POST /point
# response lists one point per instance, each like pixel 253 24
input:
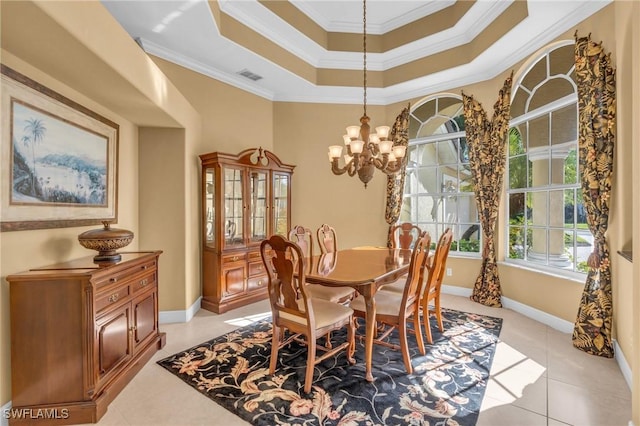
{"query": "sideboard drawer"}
pixel 112 297
pixel 144 282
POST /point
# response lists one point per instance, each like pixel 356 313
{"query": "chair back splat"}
pixel 327 239
pixel 433 284
pixel 303 238
pixel 403 235
pixel 295 313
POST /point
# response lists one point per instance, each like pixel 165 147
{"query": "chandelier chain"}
pixel 364 52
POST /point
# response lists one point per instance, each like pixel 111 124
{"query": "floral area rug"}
pixel 446 387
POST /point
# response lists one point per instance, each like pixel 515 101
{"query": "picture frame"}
pixel 59 159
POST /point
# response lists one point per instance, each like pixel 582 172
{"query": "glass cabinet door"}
pixel 258 187
pixel 280 203
pixel 209 201
pixel 233 217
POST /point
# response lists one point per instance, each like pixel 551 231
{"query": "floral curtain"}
pixel 596 83
pixel 487 157
pixel 395 183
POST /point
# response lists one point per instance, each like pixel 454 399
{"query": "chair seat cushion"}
pixel 326 313
pixel 332 294
pixel 387 303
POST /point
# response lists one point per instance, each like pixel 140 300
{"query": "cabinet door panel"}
pixel 233 280
pixel 280 207
pixel 234 207
pixel 144 318
pixel 114 345
pixel 258 212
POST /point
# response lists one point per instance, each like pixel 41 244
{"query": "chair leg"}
pixel 351 338
pixel 404 347
pixel 418 329
pixel 439 314
pixel 275 345
pixel 427 327
pixel 327 344
pixel 311 357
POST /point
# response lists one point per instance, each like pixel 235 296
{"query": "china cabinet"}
pixel 245 198
pixel 80 331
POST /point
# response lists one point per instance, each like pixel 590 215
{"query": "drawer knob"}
pixel 145 266
pixel 260 282
pixel 113 280
pixel 144 282
pixel 234 258
pixel 114 297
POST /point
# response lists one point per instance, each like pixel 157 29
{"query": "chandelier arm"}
pixel 392 170
pixel 381 164
pixel 337 170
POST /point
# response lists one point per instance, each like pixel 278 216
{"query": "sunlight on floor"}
pixel 242 321
pixel 512 374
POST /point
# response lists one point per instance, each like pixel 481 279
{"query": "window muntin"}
pixel 438 192
pixel 546 224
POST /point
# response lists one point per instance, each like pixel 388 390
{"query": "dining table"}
pixel 364 269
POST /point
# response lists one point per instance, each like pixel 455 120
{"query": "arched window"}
pixel 438 191
pixel 546 224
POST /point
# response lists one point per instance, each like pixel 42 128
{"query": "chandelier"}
pixel 366 151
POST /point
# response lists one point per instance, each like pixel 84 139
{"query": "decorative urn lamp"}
pixel 106 241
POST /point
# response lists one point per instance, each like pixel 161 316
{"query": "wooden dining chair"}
pixel 403 235
pixel 304 238
pixel 393 310
pixel 327 239
pixel 296 313
pixel 435 273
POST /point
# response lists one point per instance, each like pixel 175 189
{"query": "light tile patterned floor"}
pixel 537 377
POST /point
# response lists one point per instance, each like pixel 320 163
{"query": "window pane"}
pixel 447 152
pixel 465 178
pixel 571 167
pixel 537 250
pixel 467 211
pixel 539 132
pixel 516 208
pixel 515 142
pixel 564 125
pixel 516 242
pixel 561 60
pixel 539 209
pixel 464 150
pixel 518 172
pixel 535 75
pixel 569 208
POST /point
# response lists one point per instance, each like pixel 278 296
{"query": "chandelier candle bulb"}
pixel 385 147
pixel 353 132
pixel 335 151
pixel 383 131
pixel 357 146
pixel 347 139
pixel 399 151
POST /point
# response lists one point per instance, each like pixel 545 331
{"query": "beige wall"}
pixel 183 114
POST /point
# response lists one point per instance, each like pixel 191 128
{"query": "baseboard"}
pixel 4 418
pixel 547 319
pixel 167 317
pixel 625 368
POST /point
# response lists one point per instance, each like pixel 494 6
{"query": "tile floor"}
pixel 537 377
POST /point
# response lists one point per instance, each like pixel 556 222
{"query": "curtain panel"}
pixel 395 183
pixel 596 84
pixel 487 158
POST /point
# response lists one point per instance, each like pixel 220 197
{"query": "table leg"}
pixel 370 329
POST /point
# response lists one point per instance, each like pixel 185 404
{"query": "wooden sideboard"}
pixel 79 333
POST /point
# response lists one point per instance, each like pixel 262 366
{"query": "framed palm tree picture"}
pixel 59 159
